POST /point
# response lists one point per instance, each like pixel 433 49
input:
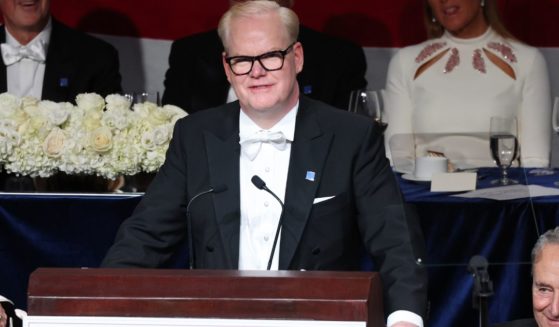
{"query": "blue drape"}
pixel 76 231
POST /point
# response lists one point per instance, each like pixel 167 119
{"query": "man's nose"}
pixel 257 69
pixel 554 305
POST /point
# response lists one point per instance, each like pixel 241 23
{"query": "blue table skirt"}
pixel 76 231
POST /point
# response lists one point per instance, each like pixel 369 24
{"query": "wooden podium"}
pixel 164 297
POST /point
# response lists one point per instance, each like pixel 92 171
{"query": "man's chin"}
pixel 262 105
pixel 545 322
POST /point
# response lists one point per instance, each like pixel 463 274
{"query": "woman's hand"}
pixel 3 317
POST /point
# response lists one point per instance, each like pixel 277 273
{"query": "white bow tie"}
pixel 12 54
pixel 251 144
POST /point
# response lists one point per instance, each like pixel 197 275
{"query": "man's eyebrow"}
pixel 540 284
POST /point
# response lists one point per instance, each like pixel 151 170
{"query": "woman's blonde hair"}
pixel 490 12
pixel 254 8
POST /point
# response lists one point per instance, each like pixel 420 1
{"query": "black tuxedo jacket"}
pixel 347 156
pixel 76 63
pixel 519 323
pixel 196 80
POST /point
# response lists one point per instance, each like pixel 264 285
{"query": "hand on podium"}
pixel 3 317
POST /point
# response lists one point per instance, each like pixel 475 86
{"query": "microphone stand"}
pixel 278 229
pixel 217 189
pixel 261 185
pixel 483 288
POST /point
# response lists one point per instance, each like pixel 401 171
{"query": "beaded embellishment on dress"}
pixel 504 50
pixel 478 62
pixel 453 61
pixel 429 50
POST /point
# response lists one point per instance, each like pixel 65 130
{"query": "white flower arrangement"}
pixel 102 137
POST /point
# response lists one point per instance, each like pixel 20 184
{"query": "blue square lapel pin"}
pixel 63 82
pixel 310 175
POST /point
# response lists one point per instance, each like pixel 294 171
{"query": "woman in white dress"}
pixel 440 94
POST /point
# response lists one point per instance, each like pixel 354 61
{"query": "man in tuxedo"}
pixel 196 80
pixel 545 283
pixel 326 165
pixel 47 60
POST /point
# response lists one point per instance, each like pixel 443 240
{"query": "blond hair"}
pixel 490 12
pixel 256 8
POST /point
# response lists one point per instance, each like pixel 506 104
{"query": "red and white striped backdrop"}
pixel 143 29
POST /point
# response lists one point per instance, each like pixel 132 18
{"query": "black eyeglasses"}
pixel 270 61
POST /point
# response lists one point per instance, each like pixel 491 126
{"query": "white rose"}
pixel 116 118
pixel 117 102
pixel 19 117
pixel 8 139
pixel 158 116
pixel 54 143
pixel 8 104
pixel 37 123
pixel 147 141
pixel 175 111
pixel 92 120
pixel 90 102
pixel 101 139
pixel 56 113
pixel 29 101
pixel 160 135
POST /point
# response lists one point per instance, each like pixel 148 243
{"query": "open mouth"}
pixel 451 10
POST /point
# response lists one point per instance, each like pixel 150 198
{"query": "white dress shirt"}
pixel 25 77
pixel 260 211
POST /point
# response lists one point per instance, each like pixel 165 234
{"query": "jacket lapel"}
pixel 223 151
pixel 58 77
pixel 308 153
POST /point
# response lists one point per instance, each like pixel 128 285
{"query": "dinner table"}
pixel 77 229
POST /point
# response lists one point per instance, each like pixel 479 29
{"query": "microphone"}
pixel 478 267
pixel 483 287
pixel 261 185
pixel 218 189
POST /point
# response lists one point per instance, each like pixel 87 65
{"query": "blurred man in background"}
pixel 196 80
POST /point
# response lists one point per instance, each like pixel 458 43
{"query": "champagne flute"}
pixel 504 146
pixel 368 103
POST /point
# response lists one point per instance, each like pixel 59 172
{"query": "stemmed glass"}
pixel 368 103
pixel 143 96
pixel 555 121
pixel 504 146
pixel 137 97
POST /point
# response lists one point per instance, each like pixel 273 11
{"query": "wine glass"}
pixel 143 96
pixel 368 103
pixel 555 121
pixel 555 115
pixel 504 146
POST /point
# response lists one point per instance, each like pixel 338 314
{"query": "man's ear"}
pixel 226 67
pixel 299 56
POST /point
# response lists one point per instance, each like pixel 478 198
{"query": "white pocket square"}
pixel 318 200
